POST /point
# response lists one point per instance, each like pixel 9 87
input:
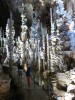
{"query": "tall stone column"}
pixel 10 45
pixel 73 2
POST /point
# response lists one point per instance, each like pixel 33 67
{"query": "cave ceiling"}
pixel 30 7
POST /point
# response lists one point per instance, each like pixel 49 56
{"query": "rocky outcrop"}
pixel 63 80
pixel 70 94
pixel 4 84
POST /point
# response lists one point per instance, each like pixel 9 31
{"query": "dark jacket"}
pixel 19 65
pixel 28 71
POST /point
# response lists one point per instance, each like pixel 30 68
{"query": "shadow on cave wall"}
pixel 5 14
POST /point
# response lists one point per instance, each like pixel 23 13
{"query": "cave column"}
pixel 52 31
pixel 43 31
pixel 72 2
pixel 10 45
pixel 23 33
pixel 39 61
pixel 47 38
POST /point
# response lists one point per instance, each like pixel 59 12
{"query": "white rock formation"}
pixel 69 96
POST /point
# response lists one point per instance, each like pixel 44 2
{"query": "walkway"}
pixel 35 93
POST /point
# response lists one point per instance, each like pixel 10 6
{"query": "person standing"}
pixel 28 73
pixel 20 68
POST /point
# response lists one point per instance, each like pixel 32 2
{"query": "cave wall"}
pixel 5 7
pixel 12 5
pixel 4 14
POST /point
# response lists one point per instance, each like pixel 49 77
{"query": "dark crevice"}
pixel 4 14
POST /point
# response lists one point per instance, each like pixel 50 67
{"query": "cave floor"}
pixel 19 90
